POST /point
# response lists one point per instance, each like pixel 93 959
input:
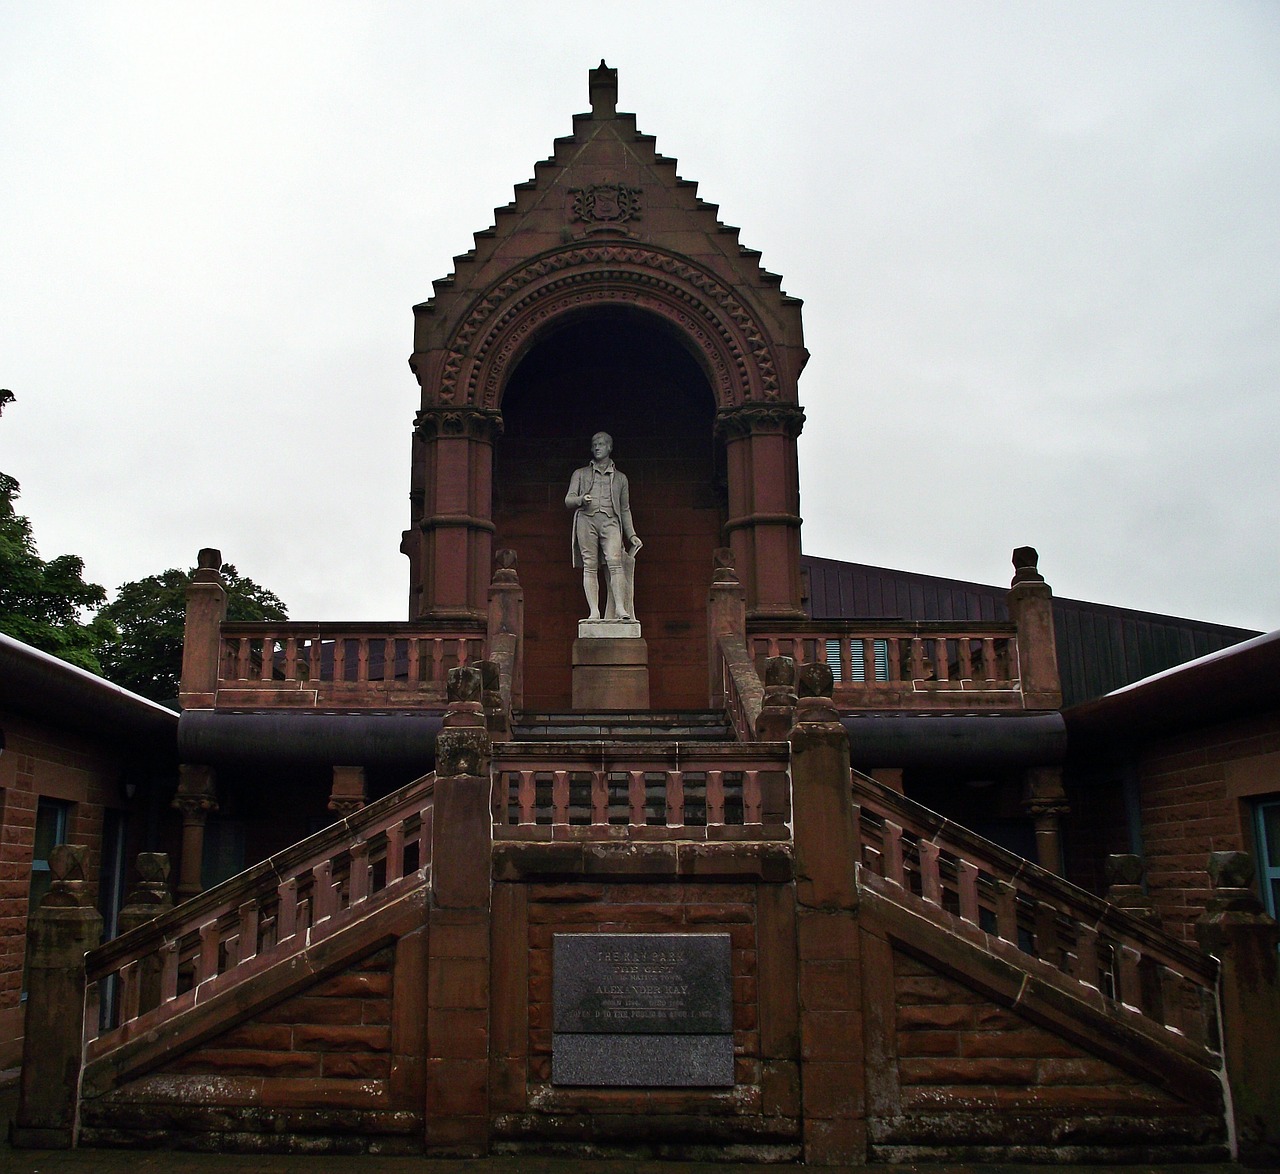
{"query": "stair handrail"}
pixel 949 867
pixel 742 688
pixel 279 903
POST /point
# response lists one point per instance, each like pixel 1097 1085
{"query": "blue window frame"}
pixel 1267 829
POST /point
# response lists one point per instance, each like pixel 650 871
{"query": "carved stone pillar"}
pixel 777 714
pixel 726 618
pixel 764 503
pixel 348 794
pixel 454 540
pixel 506 627
pixel 201 642
pixel 147 900
pixel 1031 609
pixel 196 798
pixel 1045 802
pixel 59 933
pixel 1235 930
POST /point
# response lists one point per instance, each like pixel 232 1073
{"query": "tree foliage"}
pixel 42 603
pixel 149 615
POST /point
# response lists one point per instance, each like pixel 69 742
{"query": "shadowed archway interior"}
pixel 628 374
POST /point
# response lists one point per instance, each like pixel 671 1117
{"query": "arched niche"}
pixel 628 372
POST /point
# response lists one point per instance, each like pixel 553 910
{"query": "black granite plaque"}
pixel 642 1009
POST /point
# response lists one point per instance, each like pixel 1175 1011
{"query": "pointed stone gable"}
pixel 609 218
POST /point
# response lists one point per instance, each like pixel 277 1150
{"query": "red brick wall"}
pixel 42 762
pixel 1196 796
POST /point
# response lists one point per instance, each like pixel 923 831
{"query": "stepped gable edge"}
pixel 606 219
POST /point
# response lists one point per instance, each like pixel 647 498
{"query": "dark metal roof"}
pixel 1100 647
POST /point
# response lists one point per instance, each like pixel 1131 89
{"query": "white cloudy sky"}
pixel 1038 244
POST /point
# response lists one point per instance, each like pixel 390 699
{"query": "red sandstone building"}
pixel 854 803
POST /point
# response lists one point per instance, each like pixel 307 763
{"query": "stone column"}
pixel 201 641
pixel 506 627
pixel 456 524
pixel 457 1110
pixel 1045 801
pixel 1235 930
pixel 147 900
pixel 197 798
pixel 832 1072
pixel 59 933
pixel 348 793
pixel 1031 609
pixel 764 503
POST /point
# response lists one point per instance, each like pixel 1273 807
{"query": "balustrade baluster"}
pixel 894 867
pixel 560 798
pixel 248 947
pixel 893 651
pixel 989 670
pixel 1084 966
pixel 930 875
pixel 242 659
pixel 267 670
pixel 339 659
pixel 917 658
pixel 359 884
pixel 168 972
pixel 315 659
pixel 1006 911
pixel 967 884
pixel 752 798
pixel 207 959
pixel 437 661
pixel 773 646
pixel 395 852
pixel 715 798
pixel 528 798
pixel 130 991
pixel 414 667
pixel 941 668
pixel 599 798
pixel 844 649
pixel 426 821
pixel 291 658
pixel 966 658
pixel 389 659
pixel 635 797
pixel 1046 933
pixel 675 798
pixel 362 659
pixel 287 909
pixel 323 895
pixel 1128 977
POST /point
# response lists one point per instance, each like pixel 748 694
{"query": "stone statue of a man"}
pixel 599 497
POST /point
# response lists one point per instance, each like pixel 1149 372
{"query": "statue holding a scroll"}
pixel 598 495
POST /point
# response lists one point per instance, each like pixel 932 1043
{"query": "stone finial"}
pixel 1231 870
pixel 603 89
pixel 67 862
pixel 1124 869
pixel 1124 872
pixel 780 671
pixel 1026 561
pixel 723 566
pixel 150 895
pixel 208 566
pixel 778 710
pixel 153 867
pixel 504 566
pixel 816 680
pixel 465 683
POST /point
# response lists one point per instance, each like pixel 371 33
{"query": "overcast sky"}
pixel 1038 246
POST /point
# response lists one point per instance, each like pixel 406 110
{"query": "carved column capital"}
pixel 755 419
pixel 460 421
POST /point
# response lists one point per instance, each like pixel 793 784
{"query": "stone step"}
pixel 647 726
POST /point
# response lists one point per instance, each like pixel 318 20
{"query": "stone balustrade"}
pixel 957 878
pixel 348 665
pixel 882 663
pixel 253 921
pixel 669 791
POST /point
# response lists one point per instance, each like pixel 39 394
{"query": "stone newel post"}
pixel 1235 930
pixel 458 941
pixel 506 627
pixel 1031 609
pixel 148 899
pixel 832 1072
pixel 206 609
pixel 59 934
pixel 726 618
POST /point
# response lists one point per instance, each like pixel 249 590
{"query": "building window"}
pixel 857 660
pixel 52 818
pixel 1267 828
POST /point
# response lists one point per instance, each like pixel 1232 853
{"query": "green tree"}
pixel 149 615
pixel 42 603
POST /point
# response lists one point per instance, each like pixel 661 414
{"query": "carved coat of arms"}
pixel 606 203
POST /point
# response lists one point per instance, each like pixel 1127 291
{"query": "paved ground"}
pixel 169 1162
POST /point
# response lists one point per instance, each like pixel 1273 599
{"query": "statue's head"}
pixel 601 445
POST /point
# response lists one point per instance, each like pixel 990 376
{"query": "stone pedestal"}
pixel 610 666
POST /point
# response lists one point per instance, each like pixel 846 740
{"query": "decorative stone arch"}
pixel 505 320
